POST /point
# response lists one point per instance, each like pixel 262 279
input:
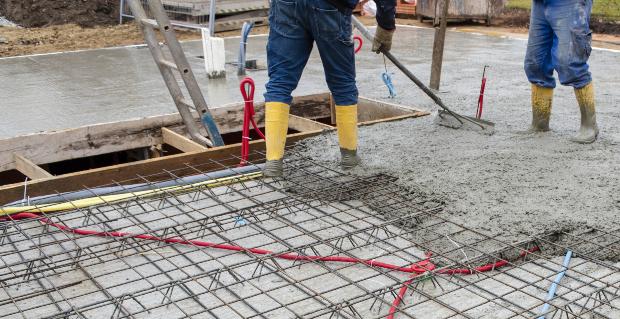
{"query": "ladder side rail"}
pixel 171 82
pixel 185 70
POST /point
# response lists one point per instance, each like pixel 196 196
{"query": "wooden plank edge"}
pixel 106 175
pixel 128 171
pixel 396 118
pixel 398 106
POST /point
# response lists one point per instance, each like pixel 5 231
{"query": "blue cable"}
pixel 111 190
pixel 554 285
pixel 245 33
pixel 387 79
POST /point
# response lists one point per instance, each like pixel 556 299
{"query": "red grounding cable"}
pixel 416 269
pixel 360 43
pixel 462 271
pixel 247 87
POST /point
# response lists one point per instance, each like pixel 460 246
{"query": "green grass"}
pixel 519 4
pixel 607 9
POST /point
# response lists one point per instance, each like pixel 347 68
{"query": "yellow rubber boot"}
pixel 542 98
pixel 346 121
pixel 276 127
pixel 589 129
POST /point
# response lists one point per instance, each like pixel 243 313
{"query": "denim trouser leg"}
pixel 295 26
pixel 538 63
pixel 288 48
pixel 559 39
pixel 333 39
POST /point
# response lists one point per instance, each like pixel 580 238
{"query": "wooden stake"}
pixel 440 37
pixel 332 109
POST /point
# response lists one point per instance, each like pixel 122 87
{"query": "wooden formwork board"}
pixel 37 149
pixel 92 140
pixel 126 173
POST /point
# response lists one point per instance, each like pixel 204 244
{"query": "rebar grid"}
pixel 48 272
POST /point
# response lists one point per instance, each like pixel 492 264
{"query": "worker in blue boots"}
pixel 295 26
pixel 560 39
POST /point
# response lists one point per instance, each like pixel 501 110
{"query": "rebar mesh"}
pixel 52 272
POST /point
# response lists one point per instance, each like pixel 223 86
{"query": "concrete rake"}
pixel 445 117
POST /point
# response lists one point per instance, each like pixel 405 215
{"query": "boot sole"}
pixel 590 141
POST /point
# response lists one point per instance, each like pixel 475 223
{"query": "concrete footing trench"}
pixel 435 223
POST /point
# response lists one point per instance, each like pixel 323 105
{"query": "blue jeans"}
pixel 560 39
pixel 294 27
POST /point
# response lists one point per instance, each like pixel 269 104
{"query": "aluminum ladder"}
pixel 162 23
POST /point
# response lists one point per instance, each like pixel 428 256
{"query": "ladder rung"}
pixel 187 103
pixel 168 64
pixel 150 22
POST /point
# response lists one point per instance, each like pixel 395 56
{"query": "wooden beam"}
pixel 180 142
pixel 152 170
pixel 92 140
pixel 315 106
pixel 380 111
pixel 301 124
pixel 30 169
pixel 395 118
pixel 86 141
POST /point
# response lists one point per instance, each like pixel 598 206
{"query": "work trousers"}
pixel 295 25
pixel 559 39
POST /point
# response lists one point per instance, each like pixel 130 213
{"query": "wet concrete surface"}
pixel 511 185
pixel 59 91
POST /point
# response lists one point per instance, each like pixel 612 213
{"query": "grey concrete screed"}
pixel 511 184
pixel 324 212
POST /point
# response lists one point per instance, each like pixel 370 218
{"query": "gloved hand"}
pixel 383 40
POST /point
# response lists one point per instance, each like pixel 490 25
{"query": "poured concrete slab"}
pixel 66 90
pixel 512 184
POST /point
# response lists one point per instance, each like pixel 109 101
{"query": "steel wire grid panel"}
pixel 48 272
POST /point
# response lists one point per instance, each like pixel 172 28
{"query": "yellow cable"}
pixel 106 199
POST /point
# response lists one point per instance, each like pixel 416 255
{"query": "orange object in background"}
pixel 406 7
pixel 402 7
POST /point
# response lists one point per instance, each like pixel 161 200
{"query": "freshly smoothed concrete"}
pixel 66 90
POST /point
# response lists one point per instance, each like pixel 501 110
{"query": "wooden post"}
pixel 211 19
pixel 332 109
pixel 440 37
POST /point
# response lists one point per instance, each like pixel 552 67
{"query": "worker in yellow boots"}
pixel 560 39
pixel 295 26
